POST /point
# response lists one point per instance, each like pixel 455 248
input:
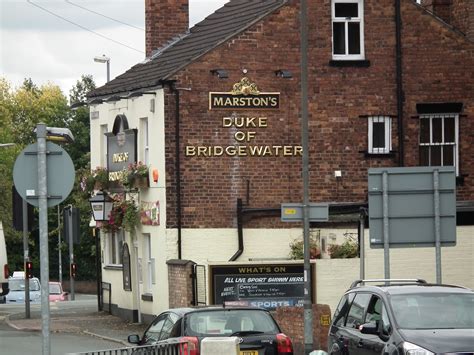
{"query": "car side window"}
pixel 168 326
pixel 342 309
pixel 357 311
pixel 153 332
pixel 374 312
pixel 386 326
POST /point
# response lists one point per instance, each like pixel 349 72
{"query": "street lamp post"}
pixel 101 205
pixel 104 59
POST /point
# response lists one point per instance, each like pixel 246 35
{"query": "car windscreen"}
pixel 54 289
pixel 19 285
pixel 434 310
pixel 227 322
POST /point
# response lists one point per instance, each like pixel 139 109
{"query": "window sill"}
pixel 378 155
pixel 113 267
pixel 362 63
pixel 147 297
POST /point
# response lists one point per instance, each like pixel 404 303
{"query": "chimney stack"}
pixel 164 20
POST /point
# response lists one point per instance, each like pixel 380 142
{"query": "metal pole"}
pixel 386 237
pixel 26 258
pixel 43 234
pixel 437 225
pixel 71 252
pixel 362 243
pixel 60 263
pixel 96 234
pixel 108 70
pixel 308 309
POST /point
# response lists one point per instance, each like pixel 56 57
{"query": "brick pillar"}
pixel 180 283
pixel 164 20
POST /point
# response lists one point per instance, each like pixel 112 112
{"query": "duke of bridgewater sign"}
pixel 244 96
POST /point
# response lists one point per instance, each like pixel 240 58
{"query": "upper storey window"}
pixel 347 29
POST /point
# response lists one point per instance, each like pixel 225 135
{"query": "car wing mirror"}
pixel 134 339
pixel 369 328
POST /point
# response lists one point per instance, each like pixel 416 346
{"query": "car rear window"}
pixel 19 285
pixel 54 289
pixel 434 310
pixel 227 322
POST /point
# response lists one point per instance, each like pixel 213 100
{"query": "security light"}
pixel 220 73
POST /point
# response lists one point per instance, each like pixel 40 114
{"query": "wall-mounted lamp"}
pixel 283 73
pixel 220 73
pixel 101 205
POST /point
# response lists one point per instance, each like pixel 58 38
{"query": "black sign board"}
pixel 261 285
pixel 126 269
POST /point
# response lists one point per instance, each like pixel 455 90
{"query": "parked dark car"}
pixel 258 331
pixel 409 317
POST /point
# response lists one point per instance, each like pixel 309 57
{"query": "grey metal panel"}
pixel 411 206
pixel 293 212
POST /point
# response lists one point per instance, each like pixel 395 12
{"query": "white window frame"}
pixel 387 120
pixel 150 263
pixel 113 244
pixel 346 21
pixel 103 145
pixel 145 140
pixel 443 143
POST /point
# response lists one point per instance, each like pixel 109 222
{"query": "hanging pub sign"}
pixel 244 95
pixel 121 148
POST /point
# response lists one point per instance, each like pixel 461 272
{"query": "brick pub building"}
pixel 390 84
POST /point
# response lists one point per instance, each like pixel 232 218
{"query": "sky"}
pixel 56 40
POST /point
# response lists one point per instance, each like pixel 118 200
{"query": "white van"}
pixel 3 265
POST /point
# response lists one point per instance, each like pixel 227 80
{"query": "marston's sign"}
pixel 244 95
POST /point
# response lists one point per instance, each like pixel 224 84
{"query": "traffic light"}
pixel 29 269
pixel 73 270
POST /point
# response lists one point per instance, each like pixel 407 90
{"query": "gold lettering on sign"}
pixel 120 157
pixel 244 150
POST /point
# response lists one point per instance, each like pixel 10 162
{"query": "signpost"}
pixel 412 207
pixel 44 175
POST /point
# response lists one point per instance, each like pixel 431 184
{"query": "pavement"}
pixel 98 324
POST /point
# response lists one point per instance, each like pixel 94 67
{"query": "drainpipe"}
pixel 174 90
pixel 400 95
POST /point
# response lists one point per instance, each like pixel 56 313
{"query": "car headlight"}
pixel 412 349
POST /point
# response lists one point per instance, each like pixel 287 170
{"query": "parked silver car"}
pixel 17 290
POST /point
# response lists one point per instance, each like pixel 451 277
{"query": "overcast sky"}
pixel 59 42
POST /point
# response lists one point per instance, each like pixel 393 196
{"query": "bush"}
pixel 346 250
pixel 297 249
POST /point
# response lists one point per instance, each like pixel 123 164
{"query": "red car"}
pixel 56 292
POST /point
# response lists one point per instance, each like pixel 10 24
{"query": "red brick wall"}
pixel 438 66
pixel 463 17
pixel 180 284
pixel 164 20
pixel 291 321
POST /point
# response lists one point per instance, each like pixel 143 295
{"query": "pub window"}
pixel 439 137
pixel 380 134
pixel 348 29
pixel 150 263
pixel 145 141
pixel 114 244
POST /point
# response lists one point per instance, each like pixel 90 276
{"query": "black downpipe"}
pixel 177 166
pixel 400 95
pixel 240 231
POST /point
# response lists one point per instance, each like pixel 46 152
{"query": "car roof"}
pixel 400 289
pixel 184 311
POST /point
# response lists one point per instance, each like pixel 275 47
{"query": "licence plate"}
pixel 248 352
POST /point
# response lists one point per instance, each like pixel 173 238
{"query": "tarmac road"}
pixel 75 326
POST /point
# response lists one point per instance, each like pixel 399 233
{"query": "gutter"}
pixel 400 94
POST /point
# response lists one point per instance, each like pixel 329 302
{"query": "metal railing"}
pixel 388 281
pixel 171 348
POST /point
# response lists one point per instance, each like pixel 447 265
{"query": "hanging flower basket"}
pixel 136 176
pixel 124 214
